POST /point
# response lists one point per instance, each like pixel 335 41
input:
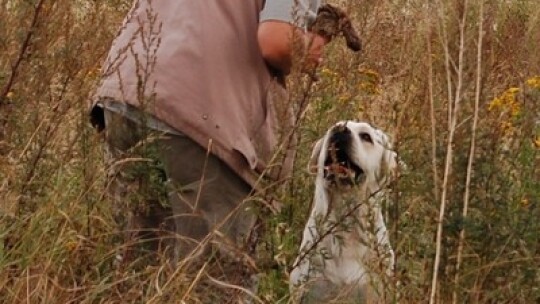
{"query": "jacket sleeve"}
pixel 298 12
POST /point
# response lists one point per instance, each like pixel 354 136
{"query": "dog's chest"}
pixel 350 244
pixel 349 255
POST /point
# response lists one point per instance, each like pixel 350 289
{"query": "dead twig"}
pixel 22 53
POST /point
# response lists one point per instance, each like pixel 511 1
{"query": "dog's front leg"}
pixel 307 262
pixel 383 243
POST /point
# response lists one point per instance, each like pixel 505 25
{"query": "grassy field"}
pixel 456 84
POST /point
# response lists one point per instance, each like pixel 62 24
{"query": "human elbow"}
pixel 275 44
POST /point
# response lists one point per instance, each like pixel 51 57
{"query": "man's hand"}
pixel 277 43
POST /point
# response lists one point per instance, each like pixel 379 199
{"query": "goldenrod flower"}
pixel 72 245
pixel 326 71
pixel 512 90
pixel 534 82
pixel 495 103
pixel 507 102
pixel 369 72
pixel 507 126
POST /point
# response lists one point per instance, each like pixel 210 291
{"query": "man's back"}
pixel 196 66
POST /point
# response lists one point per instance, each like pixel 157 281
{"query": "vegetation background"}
pixel 455 82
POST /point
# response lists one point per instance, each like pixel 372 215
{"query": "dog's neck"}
pixel 349 200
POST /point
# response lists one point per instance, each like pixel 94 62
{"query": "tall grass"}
pixel 456 84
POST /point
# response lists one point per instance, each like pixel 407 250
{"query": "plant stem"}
pixel 466 196
pixel 449 150
pixel 22 53
pixel 433 120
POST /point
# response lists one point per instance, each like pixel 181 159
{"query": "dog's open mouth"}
pixel 344 173
pixel 338 167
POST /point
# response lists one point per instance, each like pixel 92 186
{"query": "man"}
pixel 187 98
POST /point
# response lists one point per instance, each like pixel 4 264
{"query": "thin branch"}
pixel 449 153
pixel 433 122
pixel 203 178
pixel 443 34
pixel 22 53
pixel 466 196
pixel 236 287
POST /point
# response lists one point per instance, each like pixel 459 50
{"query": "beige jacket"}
pixel 196 66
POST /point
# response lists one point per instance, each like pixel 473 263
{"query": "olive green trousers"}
pixel 169 194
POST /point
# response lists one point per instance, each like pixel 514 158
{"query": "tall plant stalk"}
pixel 466 196
pixel 432 118
pixel 450 141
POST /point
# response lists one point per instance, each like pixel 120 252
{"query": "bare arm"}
pixel 276 44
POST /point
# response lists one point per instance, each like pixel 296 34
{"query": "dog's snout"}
pixel 341 135
pixel 341 128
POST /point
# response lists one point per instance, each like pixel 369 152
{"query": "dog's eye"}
pixel 366 137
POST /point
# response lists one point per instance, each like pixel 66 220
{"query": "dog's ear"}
pixel 388 166
pixel 312 164
pixel 389 162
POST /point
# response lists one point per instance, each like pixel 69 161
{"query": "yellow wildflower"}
pixel 512 90
pixel 71 245
pixel 369 72
pixel 10 95
pixel 507 126
pixel 326 71
pixel 495 103
pixel 515 110
pixel 534 82
pixel 507 102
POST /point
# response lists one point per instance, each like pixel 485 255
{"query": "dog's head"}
pixel 353 153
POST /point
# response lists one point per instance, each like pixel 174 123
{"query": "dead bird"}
pixel 332 21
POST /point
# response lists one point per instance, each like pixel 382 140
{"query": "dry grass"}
pixel 419 78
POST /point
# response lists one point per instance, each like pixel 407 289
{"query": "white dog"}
pixel 345 250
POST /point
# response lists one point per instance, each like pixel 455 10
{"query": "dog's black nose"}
pixel 339 144
pixel 341 128
pixel 341 136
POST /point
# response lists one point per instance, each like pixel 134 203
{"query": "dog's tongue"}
pixel 340 170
